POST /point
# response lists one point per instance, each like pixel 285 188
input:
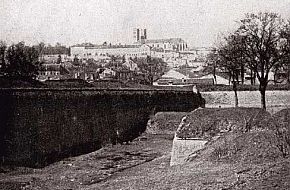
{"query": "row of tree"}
pixel 22 61
pixel 19 60
pixel 55 50
pixel 260 44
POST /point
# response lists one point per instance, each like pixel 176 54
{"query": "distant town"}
pixel 147 61
pixel 158 62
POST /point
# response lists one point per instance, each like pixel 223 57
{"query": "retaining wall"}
pixel 40 126
pixel 182 148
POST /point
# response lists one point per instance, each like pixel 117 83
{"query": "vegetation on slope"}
pixel 244 135
pixel 210 122
pixel 164 122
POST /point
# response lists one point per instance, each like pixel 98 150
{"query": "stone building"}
pixel 167 45
pixel 99 51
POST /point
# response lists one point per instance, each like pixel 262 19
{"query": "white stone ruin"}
pixel 183 148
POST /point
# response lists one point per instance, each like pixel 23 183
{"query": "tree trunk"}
pixel 288 74
pixel 237 77
pixel 236 94
pixel 262 90
pixel 242 73
pixel 252 77
pixel 275 75
pixel 214 74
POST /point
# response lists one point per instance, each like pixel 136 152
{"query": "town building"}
pixel 140 34
pixel 200 52
pixel 141 48
pixel 124 74
pixel 51 72
pixel 101 51
pixel 167 45
pixel 217 79
pixel 84 73
pixel 131 65
pixel 107 73
pixel 55 58
pixel 175 78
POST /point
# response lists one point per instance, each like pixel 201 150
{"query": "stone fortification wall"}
pixel 40 126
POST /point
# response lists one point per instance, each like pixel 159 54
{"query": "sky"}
pixel 199 22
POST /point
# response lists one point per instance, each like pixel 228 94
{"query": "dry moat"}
pixel 239 159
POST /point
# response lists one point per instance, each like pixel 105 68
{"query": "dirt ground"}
pixel 84 171
pixel 144 164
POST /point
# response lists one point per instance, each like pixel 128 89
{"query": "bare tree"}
pixel 212 60
pixel 286 65
pixel 231 60
pixel 258 44
pixel 263 45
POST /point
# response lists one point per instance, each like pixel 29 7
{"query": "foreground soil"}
pixel 144 164
pixel 251 152
pixel 88 170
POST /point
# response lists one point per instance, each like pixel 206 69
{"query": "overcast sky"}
pixel 75 21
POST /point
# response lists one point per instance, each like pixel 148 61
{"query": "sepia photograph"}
pixel 144 94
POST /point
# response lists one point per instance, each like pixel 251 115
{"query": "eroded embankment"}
pixel 238 156
pixel 232 134
pixel 249 135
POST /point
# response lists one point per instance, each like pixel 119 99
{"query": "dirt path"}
pixel 200 176
pixel 88 170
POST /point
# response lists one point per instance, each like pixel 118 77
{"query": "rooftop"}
pixel 50 67
pixel 94 46
pixel 112 46
pixel 170 40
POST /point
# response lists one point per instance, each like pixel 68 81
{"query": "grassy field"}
pixel 275 100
